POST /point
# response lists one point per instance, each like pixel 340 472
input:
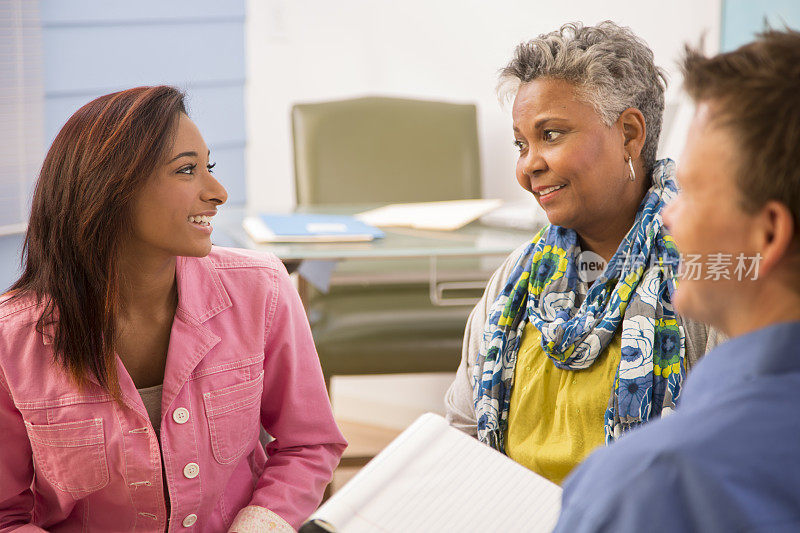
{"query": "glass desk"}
pixel 422 255
pixel 473 240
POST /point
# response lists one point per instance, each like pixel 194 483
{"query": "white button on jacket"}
pixel 191 470
pixel 180 415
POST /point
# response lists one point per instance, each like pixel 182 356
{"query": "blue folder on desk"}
pixel 309 228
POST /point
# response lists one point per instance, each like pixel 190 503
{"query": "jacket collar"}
pixel 201 293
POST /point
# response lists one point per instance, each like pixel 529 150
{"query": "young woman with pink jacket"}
pixel 137 362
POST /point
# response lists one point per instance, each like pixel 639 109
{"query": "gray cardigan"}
pixel 459 400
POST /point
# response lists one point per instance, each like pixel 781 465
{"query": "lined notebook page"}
pixel 436 478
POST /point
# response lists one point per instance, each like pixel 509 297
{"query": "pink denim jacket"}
pixel 240 352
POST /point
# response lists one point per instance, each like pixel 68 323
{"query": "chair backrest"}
pixel 385 150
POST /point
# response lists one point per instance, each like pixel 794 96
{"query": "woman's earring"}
pixel 630 165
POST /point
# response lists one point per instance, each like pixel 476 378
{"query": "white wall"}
pixel 308 50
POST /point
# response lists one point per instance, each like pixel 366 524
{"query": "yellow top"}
pixel 556 416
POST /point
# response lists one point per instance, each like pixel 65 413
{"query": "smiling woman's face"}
pixel 168 209
pixel 564 143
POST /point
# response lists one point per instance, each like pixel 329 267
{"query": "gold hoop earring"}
pixel 630 165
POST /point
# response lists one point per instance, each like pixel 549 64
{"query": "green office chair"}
pixel 374 150
pixel 385 150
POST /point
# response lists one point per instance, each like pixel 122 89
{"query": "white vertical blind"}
pixel 21 109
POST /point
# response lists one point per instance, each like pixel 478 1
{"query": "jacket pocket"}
pixel 70 455
pixel 234 419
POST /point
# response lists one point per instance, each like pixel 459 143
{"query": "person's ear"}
pixel 634 131
pixel 774 228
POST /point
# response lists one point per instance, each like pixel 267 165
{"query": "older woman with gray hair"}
pixel 558 360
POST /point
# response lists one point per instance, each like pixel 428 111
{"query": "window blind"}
pixel 21 110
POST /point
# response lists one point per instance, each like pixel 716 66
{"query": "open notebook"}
pixel 434 478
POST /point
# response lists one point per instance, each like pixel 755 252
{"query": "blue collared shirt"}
pixel 727 460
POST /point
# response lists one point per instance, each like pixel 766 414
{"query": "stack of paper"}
pixel 308 228
pixel 434 478
pixel 449 215
pixel 525 215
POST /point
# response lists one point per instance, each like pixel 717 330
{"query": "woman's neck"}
pixel 603 246
pixel 148 286
pixel 603 237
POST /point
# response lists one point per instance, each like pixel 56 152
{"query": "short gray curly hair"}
pixel 611 67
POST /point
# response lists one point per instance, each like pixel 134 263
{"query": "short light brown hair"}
pixel 755 91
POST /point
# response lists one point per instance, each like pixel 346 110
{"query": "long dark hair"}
pixel 82 207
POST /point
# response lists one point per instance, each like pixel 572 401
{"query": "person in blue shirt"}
pixel 728 458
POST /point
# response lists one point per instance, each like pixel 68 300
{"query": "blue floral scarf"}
pixel 578 320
